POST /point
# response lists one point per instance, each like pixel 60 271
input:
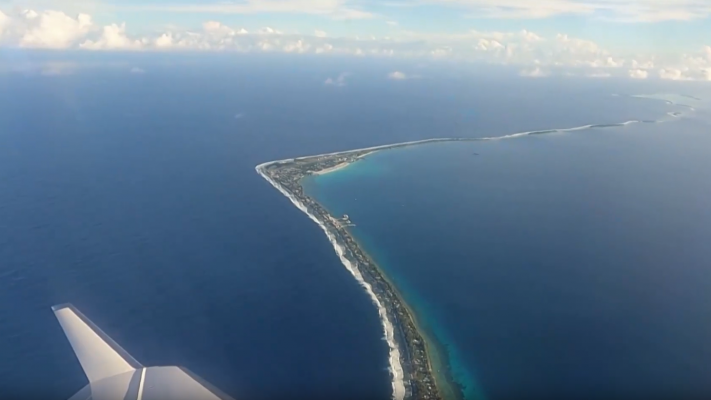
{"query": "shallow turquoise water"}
pixel 551 265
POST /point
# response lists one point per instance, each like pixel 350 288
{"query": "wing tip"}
pixel 99 332
pixel 62 306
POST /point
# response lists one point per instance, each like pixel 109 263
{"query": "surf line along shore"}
pixel 410 354
pixel 409 363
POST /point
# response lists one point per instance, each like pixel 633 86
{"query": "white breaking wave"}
pixel 396 371
pixel 561 130
pixel 577 128
pixel 513 135
pixel 661 97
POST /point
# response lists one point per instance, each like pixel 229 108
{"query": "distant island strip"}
pixel 414 375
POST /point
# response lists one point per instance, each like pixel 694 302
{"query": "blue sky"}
pixel 668 39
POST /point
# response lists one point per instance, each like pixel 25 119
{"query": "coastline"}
pixel 365 151
pixel 417 364
pixel 413 354
pixel 396 370
pixel 331 169
pixel 447 387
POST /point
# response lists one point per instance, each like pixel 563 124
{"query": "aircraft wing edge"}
pixel 210 387
pixel 106 338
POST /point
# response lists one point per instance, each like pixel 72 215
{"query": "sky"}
pixel 638 39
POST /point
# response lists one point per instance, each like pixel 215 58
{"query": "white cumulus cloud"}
pixel 113 37
pixel 29 14
pixel 638 73
pixel 298 46
pixel 267 30
pixel 53 29
pixel 671 73
pixel 165 40
pixel 531 53
pixel 4 22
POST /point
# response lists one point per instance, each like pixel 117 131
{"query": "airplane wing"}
pixel 114 375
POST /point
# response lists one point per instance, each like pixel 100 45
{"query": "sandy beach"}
pixel 332 169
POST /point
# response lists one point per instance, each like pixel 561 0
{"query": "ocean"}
pixel 134 197
pixel 561 265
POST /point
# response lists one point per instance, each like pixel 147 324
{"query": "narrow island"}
pixel 411 355
pixel 410 366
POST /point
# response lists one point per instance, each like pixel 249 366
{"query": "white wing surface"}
pixel 114 375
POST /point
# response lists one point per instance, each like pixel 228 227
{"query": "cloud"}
pixel 598 74
pixel 441 52
pixel 397 75
pixel 349 13
pixel 689 67
pixel 488 45
pixel 52 29
pixel 4 22
pixel 269 31
pixel 638 73
pixel 338 81
pixel 529 52
pixel 334 9
pixel 534 73
pixel 113 37
pixel 298 46
pixel 649 64
pixel 136 70
pixel 217 29
pixel 615 10
pixel 164 41
pixel 518 48
pixel 392 23
pixel 671 74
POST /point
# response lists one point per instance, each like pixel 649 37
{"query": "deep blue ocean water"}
pixel 570 265
pixel 134 197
